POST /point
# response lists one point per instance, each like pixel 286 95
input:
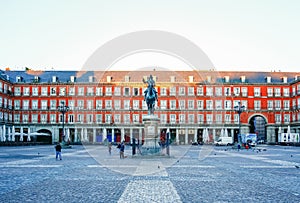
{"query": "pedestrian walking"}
pixel 58 151
pixel 109 148
pixel 122 149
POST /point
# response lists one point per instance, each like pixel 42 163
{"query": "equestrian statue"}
pixel 150 95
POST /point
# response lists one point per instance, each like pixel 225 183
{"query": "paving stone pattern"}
pixel 264 174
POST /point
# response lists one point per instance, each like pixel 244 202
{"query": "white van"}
pixel 224 141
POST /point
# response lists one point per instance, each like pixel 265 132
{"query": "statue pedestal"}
pixel 151 139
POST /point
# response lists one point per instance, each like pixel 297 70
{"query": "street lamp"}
pixel 239 109
pixel 62 108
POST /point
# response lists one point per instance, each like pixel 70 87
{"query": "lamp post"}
pixel 239 109
pixel 62 108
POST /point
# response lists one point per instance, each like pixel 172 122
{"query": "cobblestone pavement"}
pixel 202 174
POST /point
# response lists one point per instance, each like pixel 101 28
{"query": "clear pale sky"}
pixel 260 35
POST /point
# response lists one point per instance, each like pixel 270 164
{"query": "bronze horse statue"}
pixel 150 95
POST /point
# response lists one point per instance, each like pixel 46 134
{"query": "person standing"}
pixel 58 151
pixel 109 148
pixel 122 149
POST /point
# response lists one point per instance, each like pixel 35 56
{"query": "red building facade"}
pixel 194 106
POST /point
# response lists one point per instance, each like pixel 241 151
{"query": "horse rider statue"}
pixel 150 94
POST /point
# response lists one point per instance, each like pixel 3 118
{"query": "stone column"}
pixel 75 135
pixel 177 135
pixel 112 135
pixel 195 134
pixel 122 134
pixel 186 136
pixel 130 132
pixel 151 146
pixel 94 135
pixel 214 135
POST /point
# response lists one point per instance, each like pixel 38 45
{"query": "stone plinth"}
pixel 151 139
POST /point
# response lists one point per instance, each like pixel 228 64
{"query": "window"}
pixel 99 118
pixel 98 104
pixel 172 104
pixel 62 91
pixel 80 104
pixel 99 91
pixel 244 91
pixel 191 119
pixel 218 91
pixel 200 118
pixel 181 118
pixel 286 105
pixel 163 118
pixel 5 103
pixel 209 118
pixel 270 92
pixel 163 104
pixel 126 91
pixel 227 105
pixel 136 104
pixel 52 118
pixel 80 91
pixel 89 118
pixel 191 91
pixel 70 118
pixel 79 118
pixel 219 118
pixel 219 104
pixel 286 118
pixel 236 118
pixel 35 91
pixel 71 91
pixel 181 104
pixel 270 105
pixel 26 91
pixel 172 118
pixel 277 104
pixel 172 91
pixel 209 104
pixel 90 91
pixel 136 91
pixel 181 91
pixel 256 105
pixel 127 104
pixel 126 118
pixel 53 91
pixel 227 91
pixel 44 91
pixel 117 104
pixel 277 118
pixel 17 91
pixel 209 91
pixel 236 91
pixel 200 104
pixel 34 104
pixel 90 104
pixel 277 92
pixel 17 118
pixel 163 91
pixel 199 91
pixel 117 91
pixel 227 118
pixel 71 104
pixel 191 104
pixel 108 104
pixel 44 118
pixel 135 118
pixel 17 104
pixel 34 118
pixel 117 118
pixel 257 91
pixel 108 91
pixel 286 92
pixel 25 118
pixel 25 104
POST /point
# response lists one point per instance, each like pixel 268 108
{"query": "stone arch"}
pixel 257 124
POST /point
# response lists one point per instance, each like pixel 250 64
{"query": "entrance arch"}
pixel 258 126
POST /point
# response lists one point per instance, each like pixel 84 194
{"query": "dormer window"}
pixel 191 78
pixel 173 78
pixel 284 79
pixel 208 78
pixel 127 78
pixel 226 79
pixel 243 79
pixel 108 79
pixel 54 79
pixel 72 78
pixel 91 79
pixel 19 79
pixel 36 79
pixel 268 79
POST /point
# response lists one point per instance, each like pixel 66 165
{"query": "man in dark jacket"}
pixel 58 151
